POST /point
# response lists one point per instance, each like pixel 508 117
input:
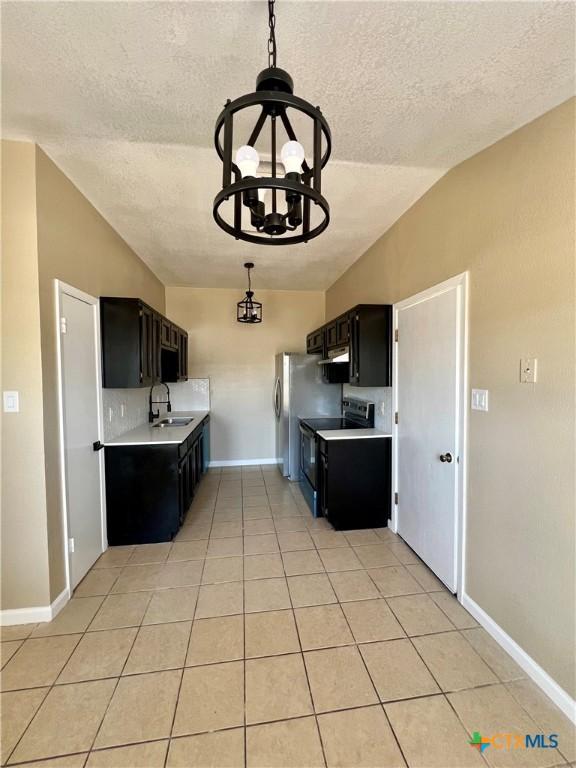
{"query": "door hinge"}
pixel 63 325
pixel 396 417
pixel 396 335
pixel 70 546
pixel 396 499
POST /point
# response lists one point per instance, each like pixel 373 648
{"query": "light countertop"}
pixel 148 434
pixel 351 434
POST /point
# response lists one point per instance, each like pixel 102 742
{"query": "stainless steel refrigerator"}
pixel 299 392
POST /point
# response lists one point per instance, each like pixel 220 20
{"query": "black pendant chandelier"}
pixel 242 207
pixel 248 310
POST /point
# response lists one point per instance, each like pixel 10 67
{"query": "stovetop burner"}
pixel 334 423
pixel 356 414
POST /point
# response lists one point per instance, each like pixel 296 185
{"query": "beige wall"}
pixel 507 216
pixel 239 359
pixel 76 245
pixel 23 524
pixel 73 243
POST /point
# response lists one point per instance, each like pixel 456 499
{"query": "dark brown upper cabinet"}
pixel 315 342
pixel 166 332
pixel 367 331
pixel 182 356
pixel 331 335
pixel 342 330
pixel 370 328
pixel 140 347
pixel 338 332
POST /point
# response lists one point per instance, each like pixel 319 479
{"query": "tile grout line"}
pixel 50 688
pixel 379 700
pixel 303 658
pixel 118 679
pixel 177 702
pixel 270 656
pixel 442 692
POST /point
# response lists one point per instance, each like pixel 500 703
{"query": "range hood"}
pixel 339 355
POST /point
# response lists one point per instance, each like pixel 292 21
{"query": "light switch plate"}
pixel 479 399
pixel 528 370
pixel 11 402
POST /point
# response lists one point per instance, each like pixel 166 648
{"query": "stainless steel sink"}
pixel 174 421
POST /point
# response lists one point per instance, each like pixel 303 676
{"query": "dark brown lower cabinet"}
pixel 354 482
pixel 149 488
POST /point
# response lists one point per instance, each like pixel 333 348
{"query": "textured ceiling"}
pixel 124 95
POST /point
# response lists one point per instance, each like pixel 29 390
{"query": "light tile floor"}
pixel 261 637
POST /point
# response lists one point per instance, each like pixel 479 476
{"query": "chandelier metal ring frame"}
pixel 275 97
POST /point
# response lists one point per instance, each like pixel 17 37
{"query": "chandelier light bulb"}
pixel 247 160
pixel 292 155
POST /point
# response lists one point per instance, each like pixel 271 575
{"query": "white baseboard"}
pixel 242 462
pixel 36 614
pixel 559 696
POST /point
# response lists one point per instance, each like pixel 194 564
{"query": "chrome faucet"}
pixel 151 414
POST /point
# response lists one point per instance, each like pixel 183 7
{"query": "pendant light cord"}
pixel 249 280
pixel 272 38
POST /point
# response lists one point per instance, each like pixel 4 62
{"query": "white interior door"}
pixel 80 411
pixel 428 395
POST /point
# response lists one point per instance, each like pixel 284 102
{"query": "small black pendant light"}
pixel 275 221
pixel 248 310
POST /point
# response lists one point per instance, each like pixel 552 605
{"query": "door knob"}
pixel 446 458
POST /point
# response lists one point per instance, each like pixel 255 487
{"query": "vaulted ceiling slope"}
pixel 124 95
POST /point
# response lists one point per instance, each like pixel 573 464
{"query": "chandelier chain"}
pixel 272 38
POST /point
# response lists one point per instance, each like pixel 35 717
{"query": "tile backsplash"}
pixel 191 395
pixel 125 409
pixel 382 399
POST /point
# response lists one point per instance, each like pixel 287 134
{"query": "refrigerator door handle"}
pixel 277 398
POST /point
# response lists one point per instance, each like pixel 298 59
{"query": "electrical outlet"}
pixel 528 370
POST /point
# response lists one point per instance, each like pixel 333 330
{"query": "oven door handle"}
pixel 305 432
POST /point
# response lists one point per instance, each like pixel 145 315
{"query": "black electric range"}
pixel 356 414
pixel 355 492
